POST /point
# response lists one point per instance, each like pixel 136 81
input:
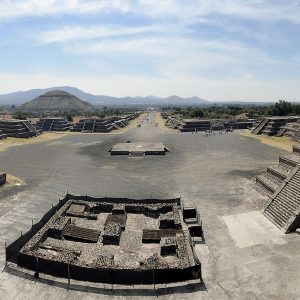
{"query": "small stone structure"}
pixel 93 125
pixel 53 124
pixel 123 244
pixel 237 124
pixel 139 149
pixel 18 128
pixel 193 125
pixel 2 178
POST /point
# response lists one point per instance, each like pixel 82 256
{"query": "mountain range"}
pixel 20 97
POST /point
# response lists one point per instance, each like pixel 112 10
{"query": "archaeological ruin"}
pixel 291 130
pixel 194 125
pixel 93 125
pixel 53 124
pixel 18 128
pixel 281 184
pixel 56 101
pixel 190 125
pixel 271 125
pixel 139 149
pixel 113 240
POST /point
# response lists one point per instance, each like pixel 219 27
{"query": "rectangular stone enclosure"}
pixel 110 240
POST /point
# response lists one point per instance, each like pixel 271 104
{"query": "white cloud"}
pixel 184 10
pixel 178 55
pixel 11 9
pixel 70 33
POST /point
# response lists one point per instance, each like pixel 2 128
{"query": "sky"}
pixel 219 50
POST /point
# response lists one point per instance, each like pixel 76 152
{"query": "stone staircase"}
pixel 88 126
pixel 31 128
pixel 281 132
pixel 260 126
pixel 284 207
pixel 47 124
pixel 271 181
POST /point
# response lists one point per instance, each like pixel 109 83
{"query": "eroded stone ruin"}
pixel 190 125
pixel 113 240
pixel 272 125
pixel 53 124
pixel 18 128
pixel 91 125
pixel 291 130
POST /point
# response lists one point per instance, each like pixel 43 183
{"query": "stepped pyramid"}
pixel 56 101
pixel 291 130
pixel 282 184
pixel 17 128
pixel 272 125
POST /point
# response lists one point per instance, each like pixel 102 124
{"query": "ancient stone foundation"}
pixel 111 240
pixel 53 124
pixel 18 129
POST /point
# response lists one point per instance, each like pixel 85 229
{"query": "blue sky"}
pixel 214 49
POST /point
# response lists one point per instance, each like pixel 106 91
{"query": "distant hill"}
pixel 18 98
pixel 56 101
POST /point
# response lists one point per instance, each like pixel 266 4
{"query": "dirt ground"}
pixel 44 137
pixel 283 143
pixel 161 123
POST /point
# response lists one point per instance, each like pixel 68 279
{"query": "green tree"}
pixel 197 113
pixel 20 115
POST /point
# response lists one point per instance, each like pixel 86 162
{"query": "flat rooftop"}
pixel 139 147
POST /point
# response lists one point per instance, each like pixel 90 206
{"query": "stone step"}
pixel 277 218
pixel 279 171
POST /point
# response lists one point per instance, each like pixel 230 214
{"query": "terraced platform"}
pixel 275 176
pixel 17 128
pixel 282 184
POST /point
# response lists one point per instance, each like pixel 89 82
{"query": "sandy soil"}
pixel 283 143
pixel 161 123
pixel 12 181
pixel 44 137
pixel 6 117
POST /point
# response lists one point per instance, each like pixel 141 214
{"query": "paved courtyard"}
pixel 244 257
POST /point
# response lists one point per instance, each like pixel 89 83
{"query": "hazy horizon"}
pixel 228 50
